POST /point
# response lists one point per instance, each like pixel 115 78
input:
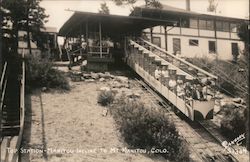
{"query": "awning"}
pixel 112 24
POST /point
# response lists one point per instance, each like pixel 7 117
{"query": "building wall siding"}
pixel 223 43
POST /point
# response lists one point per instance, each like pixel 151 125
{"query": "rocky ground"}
pixel 71 127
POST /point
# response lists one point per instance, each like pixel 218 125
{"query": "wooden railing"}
pixel 3 84
pixel 179 59
pixel 22 110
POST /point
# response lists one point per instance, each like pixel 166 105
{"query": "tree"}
pixel 24 15
pixel 148 3
pixel 212 6
pixel 104 9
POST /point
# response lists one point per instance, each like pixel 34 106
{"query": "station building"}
pixel 194 34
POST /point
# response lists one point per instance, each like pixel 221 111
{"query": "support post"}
pixel 166 37
pixel 87 36
pixel 100 38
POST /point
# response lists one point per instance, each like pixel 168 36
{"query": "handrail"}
pixel 181 60
pixel 22 111
pixel 3 84
pixel 166 62
pixel 3 73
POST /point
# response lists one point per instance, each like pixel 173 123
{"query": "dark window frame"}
pixel 193 42
pixel 212 49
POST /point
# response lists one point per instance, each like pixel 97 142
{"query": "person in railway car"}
pixel 180 89
pixel 157 73
pixel 187 91
pixel 206 90
pixel 172 84
pixel 164 72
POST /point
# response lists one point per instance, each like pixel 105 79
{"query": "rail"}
pixel 168 63
pixel 22 110
pixel 181 60
pixel 3 84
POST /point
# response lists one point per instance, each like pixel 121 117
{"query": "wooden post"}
pixel 87 35
pixel 100 38
pixel 166 38
pixel 151 35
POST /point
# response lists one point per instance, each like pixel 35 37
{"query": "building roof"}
pixel 112 24
pixel 167 10
pixel 49 29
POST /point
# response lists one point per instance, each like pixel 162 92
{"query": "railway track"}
pixel 205 145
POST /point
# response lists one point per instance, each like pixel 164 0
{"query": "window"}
pixel 157 41
pixel 211 47
pixel 193 42
pixel 225 26
pixel 222 26
pixel 233 27
pixel 184 23
pixel 235 49
pixel 193 23
pixel 210 25
pixel 219 26
pixel 202 24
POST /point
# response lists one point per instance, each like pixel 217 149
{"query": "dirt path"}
pixel 70 127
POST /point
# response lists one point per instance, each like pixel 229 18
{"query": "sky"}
pixel 58 14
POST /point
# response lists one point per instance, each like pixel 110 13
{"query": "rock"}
pixel 94 75
pixel 82 78
pixel 89 80
pixel 105 89
pixel 105 112
pixel 121 79
pixel 216 109
pixel 218 95
pixel 86 75
pixel 116 84
pixel 134 95
pixel 101 79
pixel 44 89
pixel 238 100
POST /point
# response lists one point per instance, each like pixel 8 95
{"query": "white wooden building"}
pixel 194 34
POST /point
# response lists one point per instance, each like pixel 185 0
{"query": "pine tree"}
pixel 104 9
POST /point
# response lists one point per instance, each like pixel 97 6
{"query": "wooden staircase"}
pixel 10 94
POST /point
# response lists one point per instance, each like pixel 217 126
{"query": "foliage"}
pixel 234 121
pixel 147 129
pixel 212 6
pixel 24 15
pixel 148 3
pixel 106 97
pixel 40 73
pixel 225 71
pixel 104 8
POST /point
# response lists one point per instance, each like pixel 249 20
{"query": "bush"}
pixel 146 129
pixel 234 121
pixel 40 73
pixel 105 97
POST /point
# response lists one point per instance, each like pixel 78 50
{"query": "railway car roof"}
pixel 114 24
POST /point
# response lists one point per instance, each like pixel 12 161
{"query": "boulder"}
pixel 89 80
pixel 94 75
pixel 105 89
pixel 86 75
pixel 238 100
pixel 121 79
pixel 101 79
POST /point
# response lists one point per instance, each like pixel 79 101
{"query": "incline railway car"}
pixel 191 94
